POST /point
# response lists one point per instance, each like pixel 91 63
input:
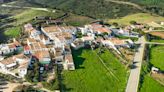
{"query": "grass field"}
pixel 159 41
pixel 151 85
pixel 91 76
pixel 157 56
pixel 139 17
pixel 30 14
pixel 13 32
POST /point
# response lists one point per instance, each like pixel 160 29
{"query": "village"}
pixel 42 49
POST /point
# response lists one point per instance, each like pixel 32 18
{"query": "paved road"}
pixel 134 77
pixel 157 43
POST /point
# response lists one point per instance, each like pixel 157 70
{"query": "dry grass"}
pixel 129 55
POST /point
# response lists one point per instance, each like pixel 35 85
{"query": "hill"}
pixel 92 8
pixel 104 8
pixel 155 6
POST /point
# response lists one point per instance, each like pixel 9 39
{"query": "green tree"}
pixel 79 34
pixel 133 22
pixel 115 24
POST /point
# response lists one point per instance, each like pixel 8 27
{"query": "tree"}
pixel 79 34
pixel 115 24
pixel 133 22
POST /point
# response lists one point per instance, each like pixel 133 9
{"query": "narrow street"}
pixel 133 81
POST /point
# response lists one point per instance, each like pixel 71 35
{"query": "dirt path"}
pixel 128 3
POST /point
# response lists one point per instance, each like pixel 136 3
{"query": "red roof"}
pixel 26 48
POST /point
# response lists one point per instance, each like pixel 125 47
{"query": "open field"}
pixel 139 17
pixel 157 56
pixel 151 85
pixel 159 34
pixel 29 14
pixel 91 76
pixel 77 20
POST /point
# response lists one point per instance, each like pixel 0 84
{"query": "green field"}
pixel 151 85
pixel 138 17
pixel 157 56
pixel 30 14
pixel 13 32
pixel 91 76
pixel 160 41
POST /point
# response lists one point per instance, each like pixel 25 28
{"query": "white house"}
pixel 8 64
pixel 87 38
pixel 68 37
pixel 77 44
pixel 20 58
pixel 68 62
pixel 22 69
pixel 43 38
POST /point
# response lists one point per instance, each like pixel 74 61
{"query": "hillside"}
pixel 104 8
pixel 92 8
pixel 155 6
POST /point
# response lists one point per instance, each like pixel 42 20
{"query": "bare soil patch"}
pixel 159 77
pixel 159 34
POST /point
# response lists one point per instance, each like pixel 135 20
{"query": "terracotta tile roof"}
pixel 117 41
pixel 61 38
pixel 87 38
pixel 51 29
pixel 59 51
pixel 31 40
pixel 8 61
pixel 42 54
pixel 11 46
pixel 36 46
pixel 42 36
pixel 95 25
pixel 21 56
pixel 67 35
pixel 102 30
